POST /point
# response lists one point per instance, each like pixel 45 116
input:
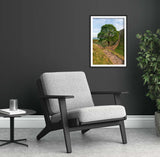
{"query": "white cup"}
pixel 13 104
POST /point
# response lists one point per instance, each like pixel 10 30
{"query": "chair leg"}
pixel 84 131
pixel 123 132
pixel 67 140
pixel 66 131
pixel 43 133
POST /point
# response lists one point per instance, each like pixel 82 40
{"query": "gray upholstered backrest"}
pixel 67 83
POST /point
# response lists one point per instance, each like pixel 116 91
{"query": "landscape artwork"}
pixel 108 41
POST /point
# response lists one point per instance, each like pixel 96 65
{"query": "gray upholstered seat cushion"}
pixel 95 113
pixel 67 83
pixel 81 106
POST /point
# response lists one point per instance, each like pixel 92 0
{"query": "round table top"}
pixel 28 112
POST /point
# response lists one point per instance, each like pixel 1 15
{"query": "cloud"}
pixel 95 35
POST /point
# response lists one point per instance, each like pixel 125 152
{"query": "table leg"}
pixel 11 128
pixel 7 142
pixel 21 140
pixel 21 143
pixel 12 140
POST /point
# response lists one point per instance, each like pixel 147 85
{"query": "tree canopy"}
pixel 108 34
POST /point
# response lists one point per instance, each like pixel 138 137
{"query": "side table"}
pixel 12 140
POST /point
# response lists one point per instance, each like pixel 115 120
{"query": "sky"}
pixel 99 22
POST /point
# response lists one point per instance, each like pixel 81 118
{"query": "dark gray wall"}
pixel 53 35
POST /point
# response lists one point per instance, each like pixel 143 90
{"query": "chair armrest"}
pixel 62 106
pixel 108 92
pixel 116 95
pixel 57 97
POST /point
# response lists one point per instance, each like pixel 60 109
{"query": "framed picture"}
pixel 108 41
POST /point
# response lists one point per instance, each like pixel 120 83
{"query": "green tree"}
pixel 108 34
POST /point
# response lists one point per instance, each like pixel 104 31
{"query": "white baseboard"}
pixel 33 121
pixel 37 121
pixel 140 121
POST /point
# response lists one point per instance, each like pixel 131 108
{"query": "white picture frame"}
pixel 102 53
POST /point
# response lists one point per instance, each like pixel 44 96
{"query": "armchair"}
pixel 67 104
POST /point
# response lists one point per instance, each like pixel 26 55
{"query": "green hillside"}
pixel 99 56
pixel 120 48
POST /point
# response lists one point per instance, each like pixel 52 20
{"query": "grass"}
pixel 120 50
pixel 99 56
pixel 97 42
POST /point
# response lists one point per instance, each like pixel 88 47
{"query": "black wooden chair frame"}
pixel 84 127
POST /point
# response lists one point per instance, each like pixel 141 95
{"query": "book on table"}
pixel 9 112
